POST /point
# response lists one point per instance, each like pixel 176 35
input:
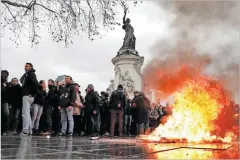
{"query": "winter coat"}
pixel 92 102
pixel 29 83
pixel 127 110
pixel 104 107
pixel 117 100
pixel 40 97
pixel 15 96
pixel 153 114
pixel 53 96
pixel 77 106
pixel 142 109
pixel 4 93
pixel 68 96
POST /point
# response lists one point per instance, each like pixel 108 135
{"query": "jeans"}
pixel 26 117
pixel 16 118
pixel 127 124
pixel 67 115
pixel 95 124
pixel 5 117
pixel 36 115
pixel 114 115
pixel 142 127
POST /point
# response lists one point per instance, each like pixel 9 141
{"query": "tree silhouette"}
pixel 64 18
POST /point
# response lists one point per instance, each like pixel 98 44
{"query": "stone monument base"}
pixel 127 69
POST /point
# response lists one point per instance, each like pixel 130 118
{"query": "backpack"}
pixel 65 97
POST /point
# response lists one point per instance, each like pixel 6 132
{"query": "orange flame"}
pixel 196 114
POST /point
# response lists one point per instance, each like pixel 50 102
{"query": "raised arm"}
pixel 124 17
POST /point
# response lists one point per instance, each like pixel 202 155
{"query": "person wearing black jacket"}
pixel 92 102
pixel 15 100
pixel 141 106
pixel 104 113
pixel 51 107
pixel 127 117
pixel 30 87
pixel 66 103
pixel 53 98
pixel 37 106
pixel 117 104
pixel 5 114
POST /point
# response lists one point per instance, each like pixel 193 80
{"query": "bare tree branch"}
pixel 16 4
pixel 64 19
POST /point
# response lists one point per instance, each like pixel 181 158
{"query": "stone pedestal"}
pixel 127 67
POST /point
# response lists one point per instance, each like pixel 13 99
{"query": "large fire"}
pixel 198 113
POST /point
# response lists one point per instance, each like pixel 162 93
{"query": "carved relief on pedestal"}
pixel 117 70
pixel 137 67
pixel 127 82
pixel 110 89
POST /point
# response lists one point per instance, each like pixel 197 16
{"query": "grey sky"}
pixel 86 61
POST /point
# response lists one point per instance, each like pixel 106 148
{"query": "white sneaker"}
pixel 93 138
pixel 107 134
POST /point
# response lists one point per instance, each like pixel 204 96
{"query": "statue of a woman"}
pixel 129 40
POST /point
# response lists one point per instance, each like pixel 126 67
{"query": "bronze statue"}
pixel 129 40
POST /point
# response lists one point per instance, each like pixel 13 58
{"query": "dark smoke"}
pixel 205 35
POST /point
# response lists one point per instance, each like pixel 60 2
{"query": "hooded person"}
pixel 15 92
pixel 92 102
pixel 141 106
pixel 117 104
pixel 30 87
pixel 5 114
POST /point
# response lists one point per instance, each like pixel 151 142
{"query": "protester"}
pixel 142 112
pixel 77 110
pixel 15 100
pixel 104 113
pixel 153 115
pixel 53 99
pixel 50 104
pixel 67 101
pixel 5 114
pixel 127 116
pixel 92 102
pixel 30 87
pixel 117 104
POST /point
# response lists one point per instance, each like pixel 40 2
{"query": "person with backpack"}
pixel 142 112
pixel 67 101
pixel 117 104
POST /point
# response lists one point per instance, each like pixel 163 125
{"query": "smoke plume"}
pixel 205 38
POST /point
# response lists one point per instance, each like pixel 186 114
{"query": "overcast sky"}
pixel 86 61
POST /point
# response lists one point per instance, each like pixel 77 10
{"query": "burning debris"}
pixel 198 65
pixel 197 114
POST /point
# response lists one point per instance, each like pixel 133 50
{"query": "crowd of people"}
pixel 61 110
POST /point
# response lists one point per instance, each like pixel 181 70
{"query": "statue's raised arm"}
pixel 124 17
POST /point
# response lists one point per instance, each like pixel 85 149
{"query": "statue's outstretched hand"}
pixel 125 11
